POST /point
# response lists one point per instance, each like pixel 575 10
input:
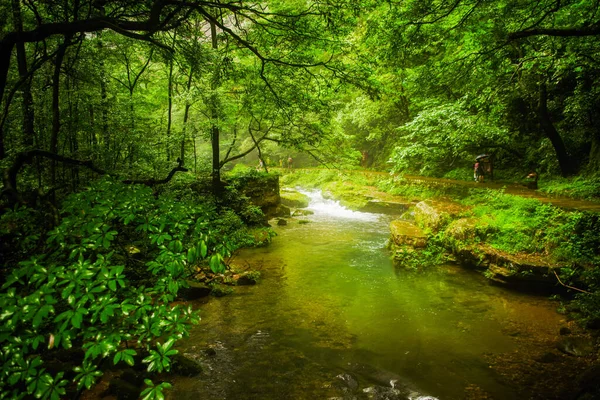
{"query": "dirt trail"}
pixel 517 190
pixel 514 189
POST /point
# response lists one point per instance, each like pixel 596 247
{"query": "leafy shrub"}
pixel 80 288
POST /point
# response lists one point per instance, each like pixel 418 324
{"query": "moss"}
pixel 294 199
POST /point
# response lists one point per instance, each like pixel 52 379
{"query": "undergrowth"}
pixel 100 283
pixel 578 188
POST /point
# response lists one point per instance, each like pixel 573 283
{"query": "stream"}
pixel 330 302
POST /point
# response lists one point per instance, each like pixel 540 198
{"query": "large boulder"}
pixel 502 267
pixel 263 192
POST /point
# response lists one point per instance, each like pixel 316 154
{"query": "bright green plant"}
pixel 154 392
pixel 80 288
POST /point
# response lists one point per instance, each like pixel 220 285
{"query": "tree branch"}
pixel 591 30
pixel 9 176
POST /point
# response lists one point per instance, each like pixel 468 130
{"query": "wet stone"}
pixel 405 233
pixel 564 331
pixel 576 346
pixel 281 222
pixel 194 291
pixel 185 366
pixel 345 383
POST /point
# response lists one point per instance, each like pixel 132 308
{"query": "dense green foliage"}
pixel 515 224
pixel 131 89
pixel 103 280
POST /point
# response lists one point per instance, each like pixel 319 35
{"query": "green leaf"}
pixel 203 249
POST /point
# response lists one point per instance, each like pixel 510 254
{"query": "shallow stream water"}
pixel 331 302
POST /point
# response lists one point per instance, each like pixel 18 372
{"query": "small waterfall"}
pixel 326 207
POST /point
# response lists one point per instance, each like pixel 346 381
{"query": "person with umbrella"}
pixel 480 170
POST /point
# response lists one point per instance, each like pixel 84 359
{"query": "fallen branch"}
pixel 567 286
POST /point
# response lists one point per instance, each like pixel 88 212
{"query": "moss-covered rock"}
pixel 435 215
pixel 294 199
pixel 405 233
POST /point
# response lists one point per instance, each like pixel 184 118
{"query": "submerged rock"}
pixel 512 269
pixel 281 222
pixel 282 211
pixel 576 346
pixel 345 383
pixel 184 366
pixel 194 291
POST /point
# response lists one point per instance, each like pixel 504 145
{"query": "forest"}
pixel 129 131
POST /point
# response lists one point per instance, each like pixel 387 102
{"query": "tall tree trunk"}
pixel 28 116
pixel 60 55
pixel 564 161
pixel 214 130
pixel 185 118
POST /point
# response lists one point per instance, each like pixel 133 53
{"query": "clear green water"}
pixel 330 301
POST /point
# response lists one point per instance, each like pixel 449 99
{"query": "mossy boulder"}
pixel 405 233
pixel 185 366
pixel 294 199
pixel 499 266
pixel 263 192
pixel 435 215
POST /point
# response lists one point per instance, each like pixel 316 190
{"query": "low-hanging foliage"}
pixel 102 280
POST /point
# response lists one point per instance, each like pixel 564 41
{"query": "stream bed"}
pixel 330 303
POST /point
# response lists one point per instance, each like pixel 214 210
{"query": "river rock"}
pixel 564 331
pixel 246 278
pixel 383 393
pixel 194 291
pixel 345 383
pixel 281 222
pixel 184 366
pixel 282 211
pixel 263 192
pixel 576 346
pixel 505 268
pixel 405 233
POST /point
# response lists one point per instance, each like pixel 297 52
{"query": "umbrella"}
pixel 481 156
